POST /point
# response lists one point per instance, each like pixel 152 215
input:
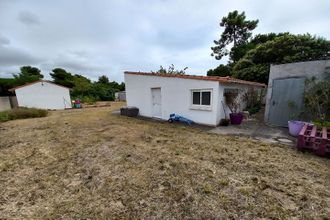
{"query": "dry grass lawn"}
pixel 91 164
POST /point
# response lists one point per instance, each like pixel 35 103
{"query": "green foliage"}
pixel 27 74
pixel 117 87
pixel 237 52
pixel 103 80
pixel 237 30
pixel 285 48
pixel 84 89
pixel 321 123
pixel 5 85
pixel 62 77
pixel 252 72
pixel 104 91
pixel 82 85
pixel 88 99
pixel 221 70
pixel 317 100
pixel 21 113
pixel 171 70
pixel 253 99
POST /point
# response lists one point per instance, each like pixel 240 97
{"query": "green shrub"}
pixel 21 113
pixel 253 110
pixel 253 99
pixel 88 100
pixel 4 116
pixel 317 100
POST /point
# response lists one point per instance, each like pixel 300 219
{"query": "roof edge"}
pixel 221 79
pixel 31 83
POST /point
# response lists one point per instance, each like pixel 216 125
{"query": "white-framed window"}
pixel 201 99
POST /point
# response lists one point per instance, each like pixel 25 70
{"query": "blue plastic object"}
pixel 179 118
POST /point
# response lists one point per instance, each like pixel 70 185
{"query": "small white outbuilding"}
pixel 43 94
pixel 199 98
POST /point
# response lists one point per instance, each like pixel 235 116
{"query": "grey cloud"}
pixel 11 56
pixel 108 37
pixel 4 40
pixel 77 62
pixel 76 66
pixel 28 18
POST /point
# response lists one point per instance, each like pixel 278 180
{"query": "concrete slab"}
pixel 257 129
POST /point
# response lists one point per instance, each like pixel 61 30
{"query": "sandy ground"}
pixel 91 164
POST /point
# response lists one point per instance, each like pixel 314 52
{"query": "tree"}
pixel 171 70
pixel 82 85
pixel 102 91
pixel 221 70
pixel 237 52
pixel 285 48
pixel 62 77
pixel 103 79
pixel 237 31
pixel 5 85
pixel 27 74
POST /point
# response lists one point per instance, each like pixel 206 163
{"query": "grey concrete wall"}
pixel 13 101
pixel 4 103
pixel 319 69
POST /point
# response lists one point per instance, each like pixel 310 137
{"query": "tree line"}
pixel 81 87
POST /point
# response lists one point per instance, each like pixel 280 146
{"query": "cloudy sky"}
pixel 95 37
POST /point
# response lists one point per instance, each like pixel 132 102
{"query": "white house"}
pixel 43 94
pixel 199 98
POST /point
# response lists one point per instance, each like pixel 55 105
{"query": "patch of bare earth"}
pixel 89 163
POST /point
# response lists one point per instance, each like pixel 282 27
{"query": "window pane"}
pixel 206 98
pixel 196 98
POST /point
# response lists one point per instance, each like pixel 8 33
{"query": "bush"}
pixel 253 99
pixel 21 113
pixel 317 100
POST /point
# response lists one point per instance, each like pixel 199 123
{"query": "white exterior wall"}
pixel 175 97
pixel 43 95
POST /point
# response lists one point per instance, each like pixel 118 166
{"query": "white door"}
pixel 156 102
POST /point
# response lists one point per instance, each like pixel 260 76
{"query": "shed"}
pixel 198 98
pixel 120 96
pixel 43 94
pixel 286 87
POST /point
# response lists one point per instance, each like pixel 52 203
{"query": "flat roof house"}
pixel 199 98
pixel 43 94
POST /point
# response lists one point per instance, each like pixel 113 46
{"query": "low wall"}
pixel 13 101
pixel 5 103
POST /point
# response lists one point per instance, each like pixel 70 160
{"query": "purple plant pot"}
pixel 236 118
pixel 295 127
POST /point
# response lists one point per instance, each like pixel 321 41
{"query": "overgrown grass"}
pixel 21 113
pixel 91 164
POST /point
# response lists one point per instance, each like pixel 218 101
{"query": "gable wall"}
pixel 43 95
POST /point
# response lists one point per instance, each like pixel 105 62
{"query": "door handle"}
pixel 273 103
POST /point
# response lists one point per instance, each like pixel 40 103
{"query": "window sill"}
pixel 201 108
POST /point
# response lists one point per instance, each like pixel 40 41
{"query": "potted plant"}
pixel 233 103
pixel 294 126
